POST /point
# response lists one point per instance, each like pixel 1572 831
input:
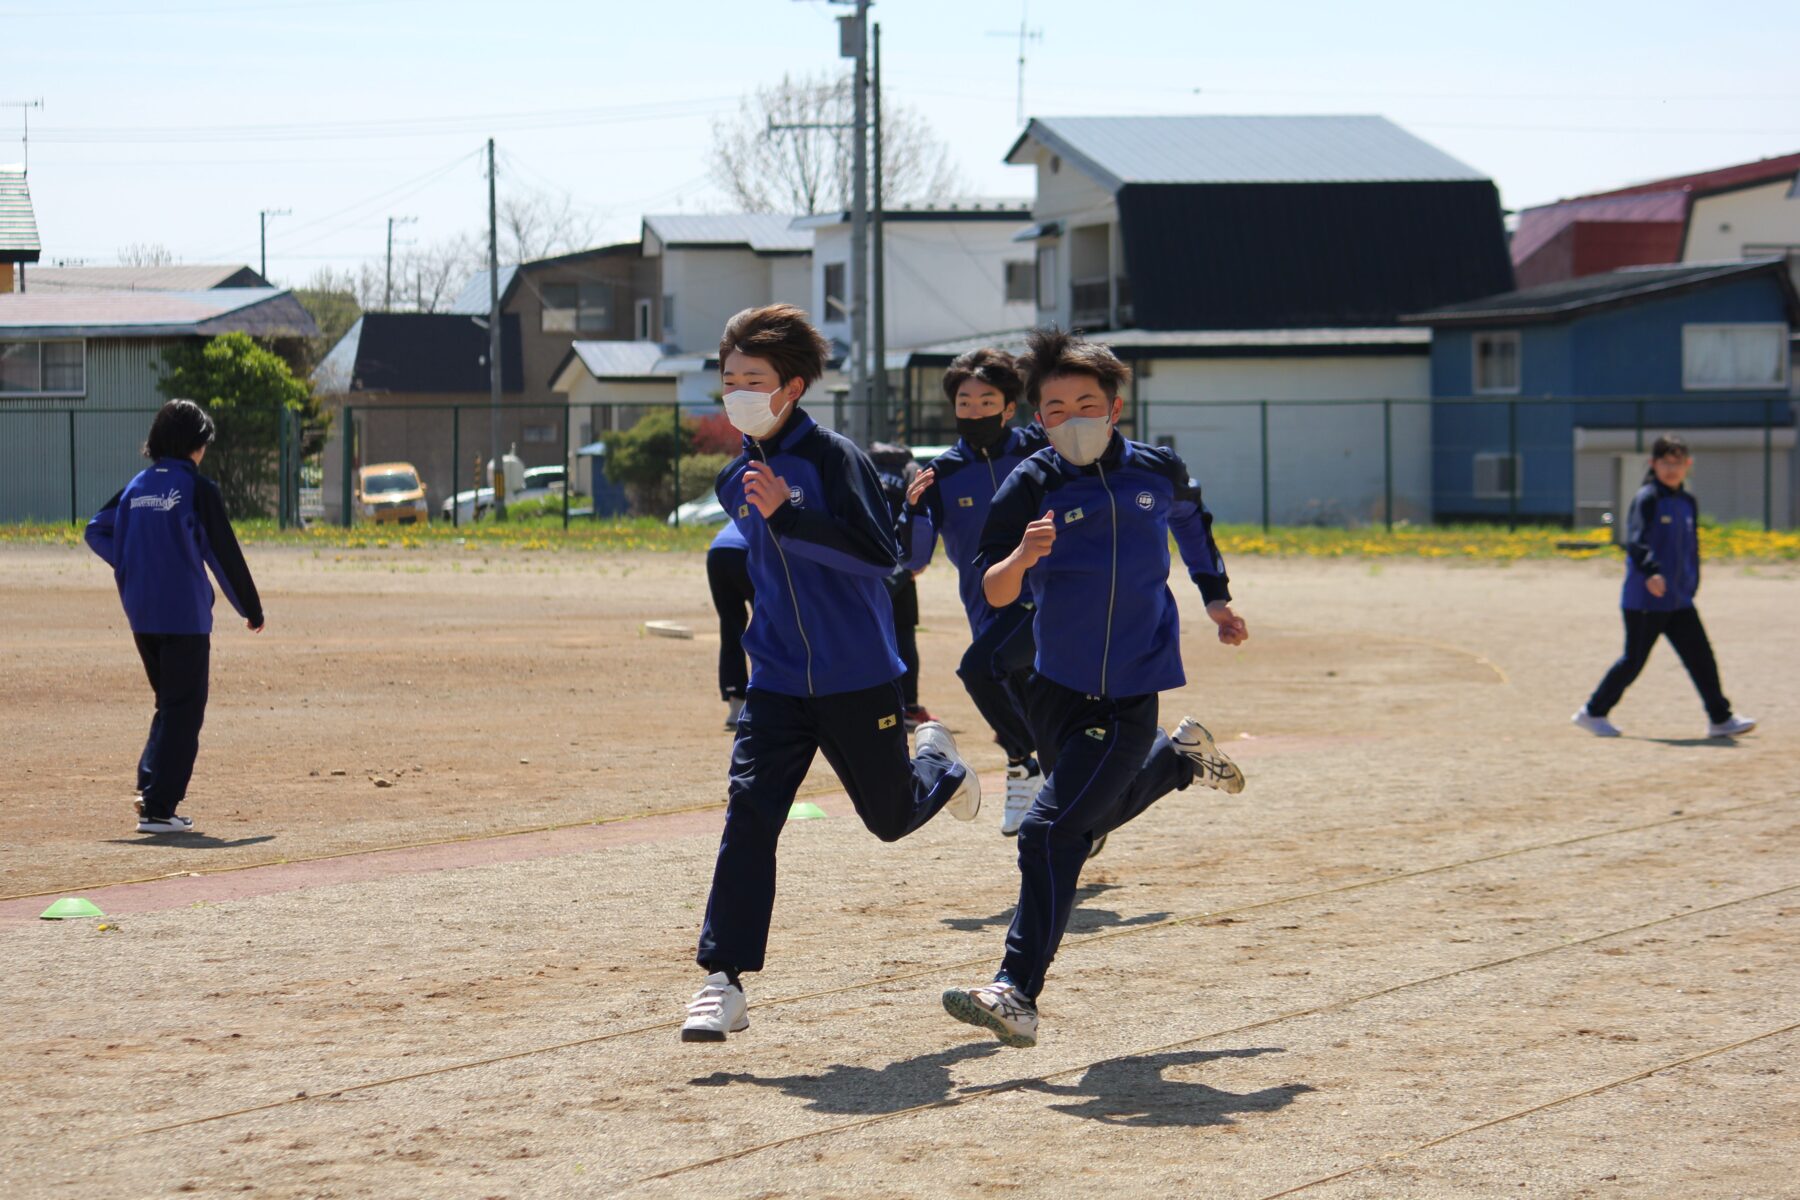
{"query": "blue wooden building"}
pixel 1544 399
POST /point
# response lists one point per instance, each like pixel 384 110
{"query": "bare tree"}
pixel 539 224
pixel 145 254
pixel 810 170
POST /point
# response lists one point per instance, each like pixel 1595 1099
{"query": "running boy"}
pixel 951 497
pixel 1662 574
pixel 824 670
pixel 1086 523
pixel 159 535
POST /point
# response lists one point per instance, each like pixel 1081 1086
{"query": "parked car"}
pixel 534 484
pixel 391 493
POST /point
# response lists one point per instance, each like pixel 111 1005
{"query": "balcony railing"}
pixel 1091 303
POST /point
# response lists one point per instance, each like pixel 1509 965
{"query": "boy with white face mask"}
pixel 824 671
pixel 1085 525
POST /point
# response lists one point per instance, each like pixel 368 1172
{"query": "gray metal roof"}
pixel 1329 149
pixel 186 277
pixel 473 299
pixel 1151 340
pixel 765 233
pixel 627 360
pixel 18 224
pixel 1570 297
pixel 266 312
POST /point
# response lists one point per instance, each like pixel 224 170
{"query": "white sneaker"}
pixel 1022 783
pixel 967 801
pixel 717 1009
pixel 174 824
pixel 1730 727
pixel 1600 726
pixel 1211 766
pixel 734 710
pixel 996 1007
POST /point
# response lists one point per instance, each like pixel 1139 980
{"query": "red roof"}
pixel 1763 170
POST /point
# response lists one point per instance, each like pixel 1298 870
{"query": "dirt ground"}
pixel 1442 946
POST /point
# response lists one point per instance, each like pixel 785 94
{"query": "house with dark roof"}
pixel 92 353
pixel 1749 210
pixel 1548 396
pixel 1238 260
pixel 18 228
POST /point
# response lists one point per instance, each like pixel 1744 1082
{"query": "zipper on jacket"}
pixel 993 479
pixel 1113 592
pixel 792 596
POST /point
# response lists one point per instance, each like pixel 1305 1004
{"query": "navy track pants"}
pixel 177 665
pixel 995 671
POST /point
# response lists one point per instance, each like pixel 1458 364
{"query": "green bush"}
pixel 699 473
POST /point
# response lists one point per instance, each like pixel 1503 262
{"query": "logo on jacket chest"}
pixel 796 495
pixel 1146 501
pixel 965 502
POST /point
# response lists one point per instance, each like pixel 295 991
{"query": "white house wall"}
pixel 710 286
pixel 1325 461
pixel 1076 199
pixel 1722 226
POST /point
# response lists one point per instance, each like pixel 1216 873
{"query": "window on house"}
pixel 1498 476
pixel 42 368
pixel 668 313
pixel 541 435
pixel 837 307
pixel 578 307
pixel 1046 277
pixel 1496 363
pixel 641 320
pixel 1021 282
pixel 1734 357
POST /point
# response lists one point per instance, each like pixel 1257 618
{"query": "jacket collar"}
pixel 799 424
pixel 186 464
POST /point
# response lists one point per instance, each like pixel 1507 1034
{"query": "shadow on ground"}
pixel 1134 1091
pixel 190 841
pixel 907 1083
pixel 1084 920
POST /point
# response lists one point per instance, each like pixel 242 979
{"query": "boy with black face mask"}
pixel 951 498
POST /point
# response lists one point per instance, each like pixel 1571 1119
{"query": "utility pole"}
pixel 24 107
pixel 853 43
pixel 262 235
pixel 496 476
pixel 883 418
pixel 387 295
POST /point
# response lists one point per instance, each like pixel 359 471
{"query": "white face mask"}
pixel 752 413
pixel 1081 439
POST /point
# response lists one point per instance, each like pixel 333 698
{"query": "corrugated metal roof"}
pixel 420 353
pixel 473 299
pixel 18 224
pixel 1538 225
pixel 765 233
pixel 1763 170
pixel 627 360
pixel 1013 341
pixel 1565 297
pixel 262 311
pixel 1325 149
pixel 186 277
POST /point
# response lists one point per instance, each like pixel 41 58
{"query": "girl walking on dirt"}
pixel 1662 576
pixel 1086 524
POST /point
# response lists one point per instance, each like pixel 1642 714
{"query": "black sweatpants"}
pixel 177 665
pixel 995 671
pixel 1685 632
pixel 1105 762
pixel 728 575
pixel 903 590
pixel 863 737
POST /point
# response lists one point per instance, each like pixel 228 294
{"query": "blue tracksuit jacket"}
pixel 1662 538
pixel 823 622
pixel 1106 621
pixel 956 506
pixel 728 538
pixel 159 535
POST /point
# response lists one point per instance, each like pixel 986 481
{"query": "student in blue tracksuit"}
pixel 951 498
pixel 728 577
pixel 1662 575
pixel 824 672
pixel 896 468
pixel 1085 525
pixel 160 535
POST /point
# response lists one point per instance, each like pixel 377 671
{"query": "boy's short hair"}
pixel 1051 353
pixel 1669 446
pixel 996 368
pixel 781 335
pixel 179 428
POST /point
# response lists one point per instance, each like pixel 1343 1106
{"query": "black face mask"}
pixel 981 432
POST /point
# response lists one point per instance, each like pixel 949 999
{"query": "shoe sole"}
pixel 959 1005
pixel 709 1035
pixel 1578 723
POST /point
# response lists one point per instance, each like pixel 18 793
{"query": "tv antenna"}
pixel 24 107
pixel 1026 35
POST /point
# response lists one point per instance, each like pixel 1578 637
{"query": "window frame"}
pixel 1047 255
pixel 1783 335
pixel 826 296
pixel 42 392
pixel 1491 337
pixel 1019 267
pixel 1498 493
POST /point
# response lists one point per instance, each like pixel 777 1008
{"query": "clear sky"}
pixel 175 121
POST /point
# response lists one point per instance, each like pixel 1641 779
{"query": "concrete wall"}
pixel 1326 462
pixel 1723 226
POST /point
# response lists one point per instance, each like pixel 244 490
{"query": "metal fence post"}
pixel 1768 465
pixel 1513 465
pixel 74 501
pixel 1264 406
pixel 349 459
pixel 456 466
pixel 281 465
pixel 568 467
pixel 1387 461
pixel 677 513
